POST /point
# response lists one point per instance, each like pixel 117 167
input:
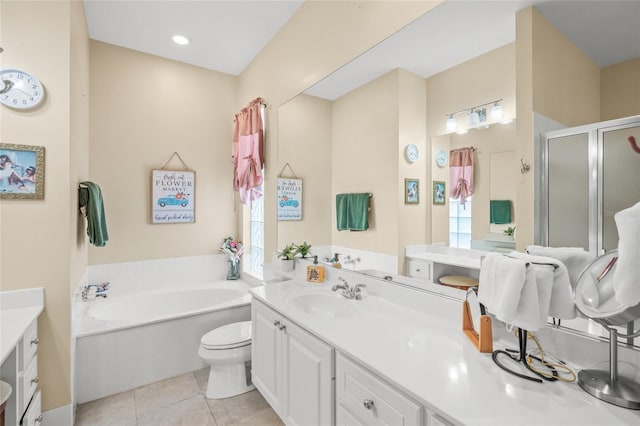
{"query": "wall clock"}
pixel 441 158
pixel 411 153
pixel 19 89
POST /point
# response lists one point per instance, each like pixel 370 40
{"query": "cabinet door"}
pixel 266 364
pixel 364 399
pixel 308 378
pixel 419 269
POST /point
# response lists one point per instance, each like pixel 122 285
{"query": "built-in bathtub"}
pixel 131 340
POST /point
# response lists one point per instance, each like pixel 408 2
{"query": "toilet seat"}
pixel 230 336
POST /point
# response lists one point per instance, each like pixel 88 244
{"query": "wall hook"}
pixel 524 167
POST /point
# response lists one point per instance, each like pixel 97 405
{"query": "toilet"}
pixel 228 350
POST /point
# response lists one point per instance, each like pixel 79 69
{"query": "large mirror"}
pixel 348 132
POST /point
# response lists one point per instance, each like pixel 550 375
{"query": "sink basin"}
pixel 325 305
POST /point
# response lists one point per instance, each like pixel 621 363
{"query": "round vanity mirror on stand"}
pixel 595 299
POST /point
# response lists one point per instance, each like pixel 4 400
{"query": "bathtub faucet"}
pixel 91 292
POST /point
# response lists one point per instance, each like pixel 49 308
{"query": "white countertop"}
pixel 18 309
pixel 466 258
pixel 419 347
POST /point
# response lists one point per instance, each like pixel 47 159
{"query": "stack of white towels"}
pixel 524 289
pixel 627 273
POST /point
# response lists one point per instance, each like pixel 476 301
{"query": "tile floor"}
pixel 177 401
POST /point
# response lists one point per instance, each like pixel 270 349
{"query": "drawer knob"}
pixel 35 341
pixel 368 404
pixel 282 327
pixel 276 323
pixel 38 419
pixel 36 380
pixel 417 269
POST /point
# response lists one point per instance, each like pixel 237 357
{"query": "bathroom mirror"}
pixel 306 140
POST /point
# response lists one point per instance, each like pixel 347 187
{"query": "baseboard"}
pixel 61 416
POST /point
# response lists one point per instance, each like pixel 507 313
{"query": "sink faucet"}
pixel 348 292
pixel 344 286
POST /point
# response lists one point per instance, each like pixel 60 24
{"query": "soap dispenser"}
pixel 315 272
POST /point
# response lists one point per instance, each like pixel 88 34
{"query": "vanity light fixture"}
pixel 477 117
pixel 180 39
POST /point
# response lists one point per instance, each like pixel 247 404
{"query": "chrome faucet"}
pixel 87 294
pixel 348 292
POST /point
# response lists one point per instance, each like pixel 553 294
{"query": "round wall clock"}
pixel 441 158
pixel 411 153
pixel 19 89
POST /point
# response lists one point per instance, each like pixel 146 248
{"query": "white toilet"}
pixel 228 350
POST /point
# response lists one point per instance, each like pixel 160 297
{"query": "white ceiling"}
pixel 227 35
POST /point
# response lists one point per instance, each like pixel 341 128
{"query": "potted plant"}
pixel 233 250
pixel 510 231
pixel 287 254
pixel 303 249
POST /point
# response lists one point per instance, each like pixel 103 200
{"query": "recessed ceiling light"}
pixel 179 39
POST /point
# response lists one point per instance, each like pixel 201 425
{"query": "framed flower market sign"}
pixel 173 196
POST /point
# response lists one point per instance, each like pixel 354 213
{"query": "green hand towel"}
pixel 91 198
pixel 352 212
pixel 500 211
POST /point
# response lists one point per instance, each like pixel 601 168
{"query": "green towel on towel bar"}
pixel 90 197
pixel 500 211
pixel 352 211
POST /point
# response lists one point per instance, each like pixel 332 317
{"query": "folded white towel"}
pixel 554 289
pixel 500 285
pixel 627 273
pixel 576 259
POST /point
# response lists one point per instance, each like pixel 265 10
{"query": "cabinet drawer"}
pixel 29 382
pixel 370 400
pixel 28 345
pixel 419 269
pixel 33 415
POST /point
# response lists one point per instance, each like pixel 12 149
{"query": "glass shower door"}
pixel 568 191
pixel 620 177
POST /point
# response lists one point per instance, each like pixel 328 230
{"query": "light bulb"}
pixel 180 39
pixel 452 123
pixel 496 112
pixel 473 119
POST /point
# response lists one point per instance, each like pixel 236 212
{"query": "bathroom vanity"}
pixel 398 356
pixel 19 312
pixel 427 263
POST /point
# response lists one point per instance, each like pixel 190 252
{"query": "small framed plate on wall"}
pixel 412 191
pixel 439 191
pixel 21 171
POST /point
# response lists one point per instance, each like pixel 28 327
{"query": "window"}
pixel 256 224
pixel 460 223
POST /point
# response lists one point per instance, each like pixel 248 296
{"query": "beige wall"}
pixel 566 83
pixel 365 159
pixel 39 242
pixel 143 109
pixel 304 142
pixel 413 219
pixel 620 90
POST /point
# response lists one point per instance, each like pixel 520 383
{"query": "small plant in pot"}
pixel 287 254
pixel 510 231
pixel 303 249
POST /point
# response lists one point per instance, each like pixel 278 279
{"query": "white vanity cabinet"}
pixel 364 399
pixel 21 371
pixel 420 269
pixel 292 368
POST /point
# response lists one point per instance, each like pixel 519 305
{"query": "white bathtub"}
pixel 132 340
